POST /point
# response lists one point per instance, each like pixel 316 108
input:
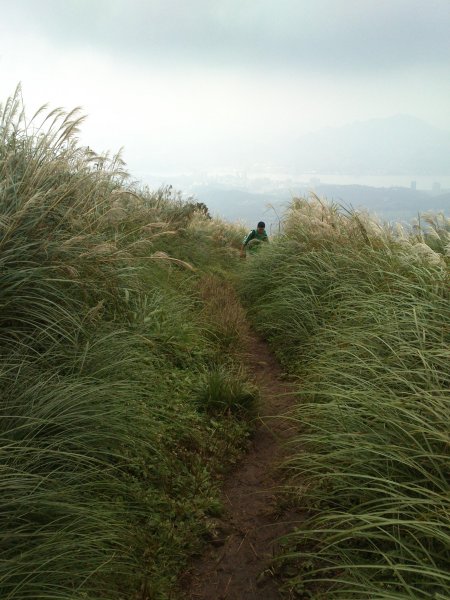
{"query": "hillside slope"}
pixel 358 314
pixel 123 394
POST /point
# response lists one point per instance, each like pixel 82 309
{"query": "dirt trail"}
pixel 237 567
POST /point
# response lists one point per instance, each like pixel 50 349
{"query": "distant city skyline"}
pixel 260 181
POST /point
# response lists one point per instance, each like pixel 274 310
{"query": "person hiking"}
pixel 254 238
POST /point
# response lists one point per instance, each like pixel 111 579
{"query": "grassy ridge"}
pixel 360 313
pixel 111 434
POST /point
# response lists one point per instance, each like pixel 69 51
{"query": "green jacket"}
pixel 255 238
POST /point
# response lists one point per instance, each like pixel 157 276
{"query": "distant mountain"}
pixel 391 204
pixel 242 205
pixel 396 145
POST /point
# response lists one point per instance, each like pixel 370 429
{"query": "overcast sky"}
pixel 193 84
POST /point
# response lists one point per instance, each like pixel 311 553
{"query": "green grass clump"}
pixel 108 469
pixel 220 391
pixel 359 312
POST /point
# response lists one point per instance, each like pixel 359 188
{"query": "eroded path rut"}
pixel 238 566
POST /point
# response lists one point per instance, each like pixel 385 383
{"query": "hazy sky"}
pixel 192 84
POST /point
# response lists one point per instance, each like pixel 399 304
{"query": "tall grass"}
pixel 108 464
pixel 359 312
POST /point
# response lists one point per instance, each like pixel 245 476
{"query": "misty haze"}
pixel 245 103
pixel 396 168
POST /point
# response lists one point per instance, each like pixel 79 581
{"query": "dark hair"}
pixel 261 224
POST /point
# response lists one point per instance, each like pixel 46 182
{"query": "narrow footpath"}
pixel 238 566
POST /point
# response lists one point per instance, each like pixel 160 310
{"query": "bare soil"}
pixel 238 564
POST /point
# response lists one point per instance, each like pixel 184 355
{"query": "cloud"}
pixel 314 35
pixel 189 84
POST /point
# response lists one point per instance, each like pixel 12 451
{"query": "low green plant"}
pixel 222 391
